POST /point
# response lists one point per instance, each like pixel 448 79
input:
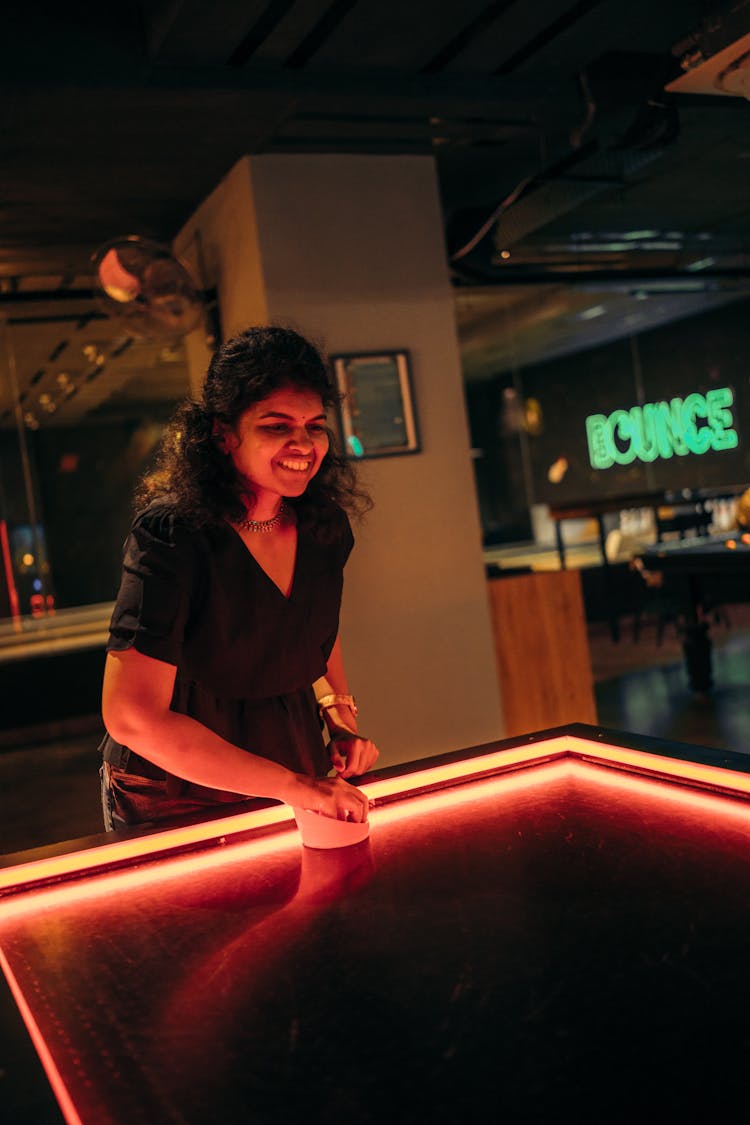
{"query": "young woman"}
pixel 223 660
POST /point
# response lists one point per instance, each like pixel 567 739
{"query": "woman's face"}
pixel 279 443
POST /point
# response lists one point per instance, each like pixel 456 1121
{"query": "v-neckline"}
pixel 263 571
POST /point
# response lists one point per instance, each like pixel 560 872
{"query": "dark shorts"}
pixel 138 794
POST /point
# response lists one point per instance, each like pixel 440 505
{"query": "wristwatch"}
pixel 333 699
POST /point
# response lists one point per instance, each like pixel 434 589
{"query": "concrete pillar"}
pixel 349 251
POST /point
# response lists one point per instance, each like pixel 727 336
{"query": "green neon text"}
pixel 696 424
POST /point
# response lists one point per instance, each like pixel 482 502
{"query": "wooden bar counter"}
pixel 542 651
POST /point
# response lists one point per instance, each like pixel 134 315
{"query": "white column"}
pixel 349 251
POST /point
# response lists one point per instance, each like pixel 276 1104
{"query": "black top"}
pixel 246 655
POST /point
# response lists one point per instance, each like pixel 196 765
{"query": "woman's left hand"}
pixel 351 755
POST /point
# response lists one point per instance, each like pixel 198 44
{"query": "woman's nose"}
pixel 300 440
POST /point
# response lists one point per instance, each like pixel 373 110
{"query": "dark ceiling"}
pixel 560 154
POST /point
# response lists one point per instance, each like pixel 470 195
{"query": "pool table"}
pixel 703 573
pixel 549 928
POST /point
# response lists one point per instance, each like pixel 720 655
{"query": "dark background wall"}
pixel 84 479
pixel 88 508
pixel 495 419
pixel 12 504
pixel 553 399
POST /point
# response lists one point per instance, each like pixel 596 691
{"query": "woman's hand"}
pixel 331 797
pixel 351 755
pixel 137 694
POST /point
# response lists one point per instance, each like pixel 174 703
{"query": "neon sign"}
pixel 696 424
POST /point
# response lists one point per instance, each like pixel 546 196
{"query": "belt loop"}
pixel 115 753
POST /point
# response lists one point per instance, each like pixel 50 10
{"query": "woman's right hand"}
pixel 332 797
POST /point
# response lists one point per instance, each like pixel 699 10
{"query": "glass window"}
pixel 82 407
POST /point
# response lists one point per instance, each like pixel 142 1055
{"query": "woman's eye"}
pixel 277 428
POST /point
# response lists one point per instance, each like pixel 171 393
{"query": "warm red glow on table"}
pixel 59 1088
pixel 507 769
pixel 141 847
pixel 706 804
pixel 240 852
pixel 526 755
pixel 21 876
pixel 676 768
pixel 482 796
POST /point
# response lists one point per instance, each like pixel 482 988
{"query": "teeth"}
pixel 295 466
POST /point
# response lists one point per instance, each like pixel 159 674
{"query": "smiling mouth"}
pixel 295 466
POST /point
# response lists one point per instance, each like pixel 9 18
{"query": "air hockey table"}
pixel 549 928
pixel 704 572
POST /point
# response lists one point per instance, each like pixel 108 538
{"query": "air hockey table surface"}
pixel 547 928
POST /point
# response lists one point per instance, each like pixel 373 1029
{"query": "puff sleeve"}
pixel 158 578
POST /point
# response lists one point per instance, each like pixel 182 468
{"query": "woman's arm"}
pixel 136 710
pixel 351 754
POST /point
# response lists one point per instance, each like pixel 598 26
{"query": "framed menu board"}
pixel 377 410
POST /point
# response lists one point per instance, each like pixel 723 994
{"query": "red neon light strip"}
pixel 23 876
pixel 711 804
pixel 50 898
pixel 15 610
pixel 572 767
pixel 505 785
pixel 124 879
pixel 59 1089
pixel 116 882
pixel 670 767
pixel 44 899
pixel 88 859
pixel 524 755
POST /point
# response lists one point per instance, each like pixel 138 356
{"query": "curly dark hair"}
pixel 199 480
